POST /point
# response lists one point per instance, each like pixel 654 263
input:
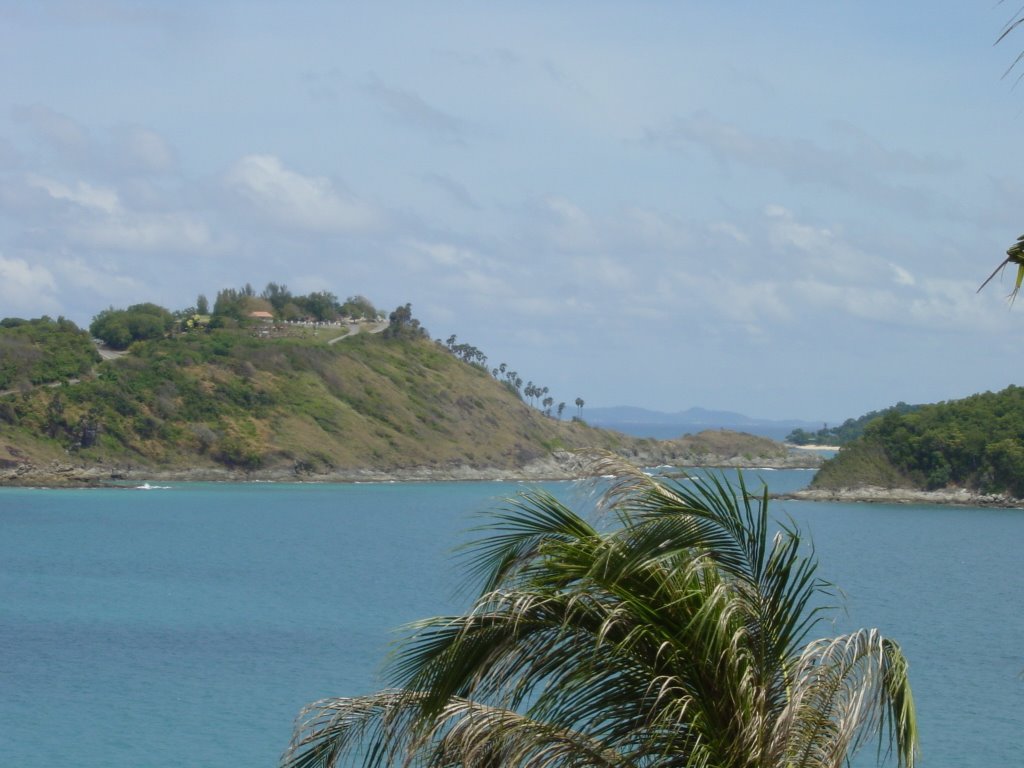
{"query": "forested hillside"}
pixel 41 351
pixel 846 432
pixel 975 443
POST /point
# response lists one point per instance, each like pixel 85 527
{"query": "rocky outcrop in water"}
pixel 879 495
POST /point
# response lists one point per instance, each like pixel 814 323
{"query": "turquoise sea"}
pixel 187 625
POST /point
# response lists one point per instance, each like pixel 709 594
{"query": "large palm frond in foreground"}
pixel 673 635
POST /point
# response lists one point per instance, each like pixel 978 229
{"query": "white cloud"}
pixel 711 299
pixel 412 109
pixel 446 254
pixel 955 305
pixel 82 194
pixel 608 271
pixel 98 282
pixel 857 165
pixel 26 289
pixel 309 203
pixel 805 249
pixel 9 156
pixel 146 232
pixel 55 128
pixel 146 150
pixel 572 229
pixel 657 230
pixel 100 219
pixel 730 230
pixel 476 286
pixel 453 189
pixel 931 305
pixel 786 231
pixel 901 276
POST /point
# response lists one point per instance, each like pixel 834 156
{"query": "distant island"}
pixel 282 387
pixel 961 451
pixel 644 422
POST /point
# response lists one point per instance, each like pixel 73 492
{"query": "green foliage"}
pixel 231 306
pixel 358 308
pixel 321 306
pixel 975 443
pixel 402 325
pixel 1014 256
pixel 278 295
pixel 43 350
pixel 228 304
pixel 467 353
pixel 849 430
pixel 119 328
pixel 229 398
pixel 860 463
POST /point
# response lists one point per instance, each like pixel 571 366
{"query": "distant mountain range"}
pixel 642 422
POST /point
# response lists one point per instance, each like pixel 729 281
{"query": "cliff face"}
pixel 229 405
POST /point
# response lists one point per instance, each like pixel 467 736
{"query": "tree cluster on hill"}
pixel 973 443
pixel 849 430
pixel 320 306
pixel 402 325
pixel 119 328
pixel 43 350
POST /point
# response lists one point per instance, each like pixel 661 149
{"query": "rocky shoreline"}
pixel 879 495
pixel 562 465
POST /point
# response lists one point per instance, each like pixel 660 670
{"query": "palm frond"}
pixel 847 690
pixel 1015 21
pixel 385 729
pixel 675 638
pixel 1014 255
pixel 515 533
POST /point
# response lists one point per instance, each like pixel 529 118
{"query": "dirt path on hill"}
pixel 355 328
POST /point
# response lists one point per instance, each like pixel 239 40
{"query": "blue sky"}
pixel 782 209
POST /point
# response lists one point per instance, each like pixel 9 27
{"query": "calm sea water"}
pixel 188 625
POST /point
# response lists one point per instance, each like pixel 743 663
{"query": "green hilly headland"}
pixel 246 401
pixel 976 444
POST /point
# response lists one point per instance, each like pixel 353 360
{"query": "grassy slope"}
pixel 859 464
pixel 226 399
pixel 242 402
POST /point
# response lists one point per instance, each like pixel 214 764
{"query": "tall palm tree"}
pixel 672 633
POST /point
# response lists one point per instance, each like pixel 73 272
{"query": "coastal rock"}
pixel 879 495
pixel 559 465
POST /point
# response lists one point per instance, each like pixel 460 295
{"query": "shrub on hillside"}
pixel 118 328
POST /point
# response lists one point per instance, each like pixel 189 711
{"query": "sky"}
pixel 781 209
